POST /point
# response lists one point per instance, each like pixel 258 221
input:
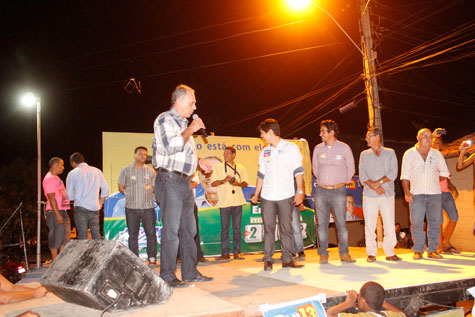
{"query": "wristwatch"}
pixel 299 191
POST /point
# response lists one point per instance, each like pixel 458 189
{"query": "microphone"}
pixel 202 131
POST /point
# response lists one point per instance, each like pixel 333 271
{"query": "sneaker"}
pixel 347 258
pixel 323 259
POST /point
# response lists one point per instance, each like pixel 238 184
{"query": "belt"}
pixel 332 187
pixel 181 174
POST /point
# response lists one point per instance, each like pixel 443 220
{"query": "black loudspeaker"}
pixel 104 273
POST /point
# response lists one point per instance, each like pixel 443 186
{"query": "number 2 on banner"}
pixel 307 311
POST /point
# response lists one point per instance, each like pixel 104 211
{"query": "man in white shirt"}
pixel 422 169
pixel 280 162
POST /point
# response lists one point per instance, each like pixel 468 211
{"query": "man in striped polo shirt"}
pixel 136 182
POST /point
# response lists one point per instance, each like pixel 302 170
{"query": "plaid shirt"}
pixel 169 150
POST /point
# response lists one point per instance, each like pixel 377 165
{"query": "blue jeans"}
pixel 297 231
pixel 425 206
pixel 334 200
pixel 176 200
pixel 84 219
pixel 226 213
pixel 133 218
pixel 448 204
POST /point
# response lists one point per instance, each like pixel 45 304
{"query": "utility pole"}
pixel 369 57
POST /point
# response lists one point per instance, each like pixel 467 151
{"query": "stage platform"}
pixel 239 287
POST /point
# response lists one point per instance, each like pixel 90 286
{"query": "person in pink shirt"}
pixel 333 166
pixel 449 193
pixel 57 207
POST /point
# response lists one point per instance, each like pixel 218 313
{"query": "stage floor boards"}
pixel 239 287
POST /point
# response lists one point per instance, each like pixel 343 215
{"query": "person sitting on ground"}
pixel 12 293
pixel 370 302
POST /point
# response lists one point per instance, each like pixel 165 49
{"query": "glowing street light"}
pixel 29 99
pixel 298 5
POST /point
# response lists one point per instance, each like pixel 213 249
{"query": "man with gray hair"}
pixel 378 170
pixel 422 169
pixel 174 157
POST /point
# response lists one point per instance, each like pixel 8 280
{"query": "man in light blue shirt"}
pixel 86 186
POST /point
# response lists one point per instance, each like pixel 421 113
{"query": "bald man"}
pixel 422 169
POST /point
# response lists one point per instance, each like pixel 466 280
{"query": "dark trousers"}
pixel 133 217
pixel 199 252
pixel 84 219
pixel 283 209
pixel 179 228
pixel 226 213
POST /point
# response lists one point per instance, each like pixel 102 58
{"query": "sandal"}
pixel 452 249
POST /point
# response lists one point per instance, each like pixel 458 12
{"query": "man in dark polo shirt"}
pixel 136 182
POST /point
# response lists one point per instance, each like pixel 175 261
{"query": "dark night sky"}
pixel 80 54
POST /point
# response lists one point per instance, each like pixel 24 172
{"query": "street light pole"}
pixel 38 136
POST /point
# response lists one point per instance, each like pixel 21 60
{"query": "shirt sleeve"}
pixel 261 172
pixel 363 169
pixel 70 185
pixel 297 160
pixel 167 135
pixel 104 187
pixel 350 164
pixel 315 162
pixel 392 174
pixel 443 169
pixel 49 185
pixel 122 177
pixel 405 167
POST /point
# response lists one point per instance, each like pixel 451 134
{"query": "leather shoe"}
pixel 301 254
pixel 292 264
pixel 434 255
pixel 199 278
pixel 202 260
pixel 393 258
pixel 417 256
pixel 267 266
pixel 371 258
pixel 238 257
pixel 347 258
pixel 223 257
pixel 323 259
pixel 176 283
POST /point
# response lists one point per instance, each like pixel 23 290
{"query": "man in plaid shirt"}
pixel 175 159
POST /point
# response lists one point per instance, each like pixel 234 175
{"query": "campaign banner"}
pixel 305 307
pixel 118 152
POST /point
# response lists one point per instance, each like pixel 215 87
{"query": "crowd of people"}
pixel 279 188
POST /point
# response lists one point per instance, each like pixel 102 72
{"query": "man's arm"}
pixel 12 293
pixel 452 189
pixel 461 163
pixel 351 297
pixel 350 165
pixel 257 192
pixel 121 188
pixel 54 206
pixel 407 191
pixel 70 186
pixel 298 199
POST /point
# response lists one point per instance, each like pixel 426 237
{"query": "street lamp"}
pixel 29 100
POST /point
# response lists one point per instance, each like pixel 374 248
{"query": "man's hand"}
pixel 196 124
pixel 408 198
pixel 40 292
pixel 59 219
pixel 351 297
pixel 298 199
pixel 455 193
pixel 227 179
pixel 254 199
pixel 374 185
pixel 380 190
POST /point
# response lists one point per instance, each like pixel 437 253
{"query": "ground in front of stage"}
pixel 239 287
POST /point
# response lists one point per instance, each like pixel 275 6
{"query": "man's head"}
pixel 371 297
pixel 75 159
pixel 183 101
pixel 373 137
pixel 229 154
pixel 205 179
pixel 424 137
pixel 269 129
pixel 328 130
pixel 436 142
pixel 140 154
pixel 56 166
